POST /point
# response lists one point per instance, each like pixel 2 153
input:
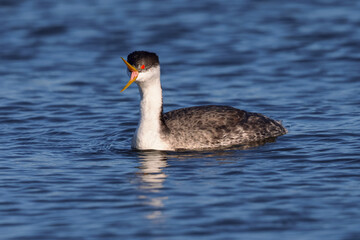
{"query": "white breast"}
pixel 148 132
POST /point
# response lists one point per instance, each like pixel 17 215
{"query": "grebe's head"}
pixel 143 66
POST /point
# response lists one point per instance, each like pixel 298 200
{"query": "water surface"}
pixel 66 167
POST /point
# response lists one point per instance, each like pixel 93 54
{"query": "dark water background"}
pixel 66 167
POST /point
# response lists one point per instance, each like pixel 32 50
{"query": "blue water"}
pixel 66 167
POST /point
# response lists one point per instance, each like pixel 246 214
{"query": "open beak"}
pixel 134 74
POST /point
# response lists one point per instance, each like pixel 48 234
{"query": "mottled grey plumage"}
pixel 216 126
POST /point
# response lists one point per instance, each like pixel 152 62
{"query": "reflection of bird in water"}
pixel 152 179
pixel 203 127
pixel 151 170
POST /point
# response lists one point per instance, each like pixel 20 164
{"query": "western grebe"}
pixel 201 127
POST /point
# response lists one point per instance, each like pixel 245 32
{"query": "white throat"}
pixel 148 132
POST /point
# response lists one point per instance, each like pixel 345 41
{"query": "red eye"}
pixel 143 66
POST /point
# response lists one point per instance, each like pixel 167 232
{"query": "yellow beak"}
pixel 134 74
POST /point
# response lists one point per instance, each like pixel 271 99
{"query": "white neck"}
pixel 148 133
